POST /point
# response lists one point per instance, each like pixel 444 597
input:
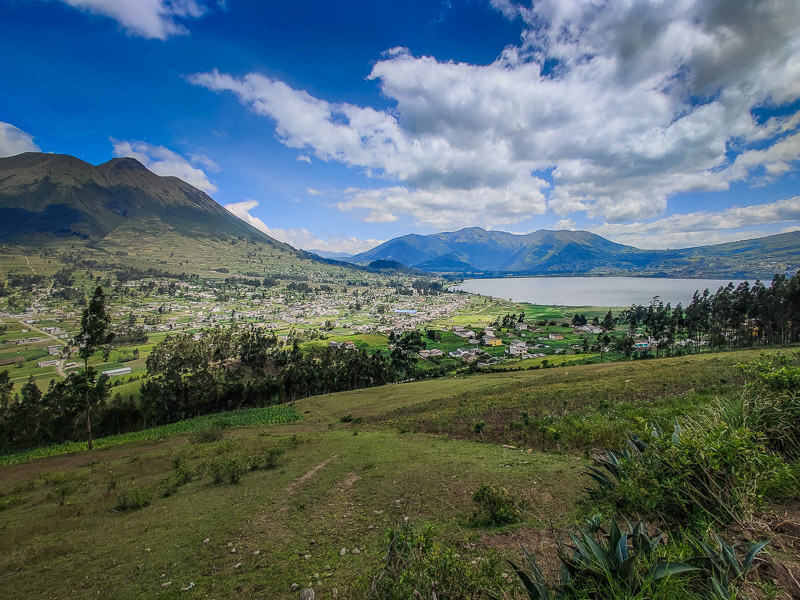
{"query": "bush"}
pixel 133 499
pixel 209 434
pixel 225 467
pixel 496 506
pixel 713 472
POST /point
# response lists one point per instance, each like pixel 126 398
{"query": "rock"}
pixel 207 540
pixel 307 594
pixel 504 575
pixel 237 565
pixel 256 552
pixel 140 567
pixel 188 587
pixel 327 567
pixel 307 557
pixel 372 526
pixel 233 550
pixel 507 447
pixel 529 451
pixel 147 549
pixel 343 551
pixel 294 587
pixel 356 551
pixel 166 584
pixel 163 575
pixel 230 544
pixel 315 576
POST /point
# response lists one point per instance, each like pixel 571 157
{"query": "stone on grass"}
pixel 166 584
pixel 307 594
pixel 343 551
pixel 356 551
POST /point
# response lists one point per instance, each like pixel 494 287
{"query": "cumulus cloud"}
pixel 605 108
pixel 14 141
pixel 152 19
pixel 315 192
pixel 702 227
pixel 303 158
pixel 300 238
pixel 163 161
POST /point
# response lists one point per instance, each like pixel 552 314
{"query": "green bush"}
pixel 496 506
pixel 213 433
pixel 703 473
pixel 134 498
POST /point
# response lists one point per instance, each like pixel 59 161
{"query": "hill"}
pixel 477 251
pixel 158 515
pixel 123 209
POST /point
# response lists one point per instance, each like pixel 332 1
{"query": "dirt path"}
pixel 292 488
pixel 30 267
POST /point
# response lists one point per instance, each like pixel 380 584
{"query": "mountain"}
pixel 329 254
pixel 477 251
pixel 122 208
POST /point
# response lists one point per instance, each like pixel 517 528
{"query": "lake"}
pixel 592 291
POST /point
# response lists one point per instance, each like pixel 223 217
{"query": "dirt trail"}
pixel 292 488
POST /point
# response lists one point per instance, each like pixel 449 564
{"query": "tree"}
pixel 94 335
pixel 608 321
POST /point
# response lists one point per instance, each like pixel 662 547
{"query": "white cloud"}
pixel 163 161
pixel 158 19
pixel 300 238
pixel 303 158
pixel 315 192
pixel 624 104
pixel 14 141
pixel 703 228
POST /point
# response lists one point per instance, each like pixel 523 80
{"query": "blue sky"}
pixel 336 125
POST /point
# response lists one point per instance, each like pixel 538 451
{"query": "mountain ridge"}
pixel 476 251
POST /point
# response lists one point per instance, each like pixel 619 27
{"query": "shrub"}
pixel 715 472
pixel 134 498
pixel 496 506
pixel 213 433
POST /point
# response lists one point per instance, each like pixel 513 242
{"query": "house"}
pixel 555 336
pixel 640 344
pixel 521 326
pixel 429 353
pixel 517 348
pixel 54 350
pixel 490 340
pixel 47 363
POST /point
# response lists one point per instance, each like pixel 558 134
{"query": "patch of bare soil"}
pixel 292 488
pixel 542 544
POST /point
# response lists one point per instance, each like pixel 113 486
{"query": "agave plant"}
pixel 590 563
pixel 724 567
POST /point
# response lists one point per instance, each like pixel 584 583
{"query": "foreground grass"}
pixel 339 484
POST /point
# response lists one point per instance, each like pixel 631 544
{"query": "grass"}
pixel 241 418
pixel 337 483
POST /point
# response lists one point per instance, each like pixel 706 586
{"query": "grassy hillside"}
pixel 131 520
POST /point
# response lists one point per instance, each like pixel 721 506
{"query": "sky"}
pixel 338 125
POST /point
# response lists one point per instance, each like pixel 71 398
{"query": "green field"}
pixel 356 464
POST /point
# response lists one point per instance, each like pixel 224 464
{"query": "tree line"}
pixel 733 317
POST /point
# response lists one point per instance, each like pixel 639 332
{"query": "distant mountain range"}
pixel 122 209
pixel 475 251
pixel 329 254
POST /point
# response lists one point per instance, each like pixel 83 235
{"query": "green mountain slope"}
pixel 123 209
